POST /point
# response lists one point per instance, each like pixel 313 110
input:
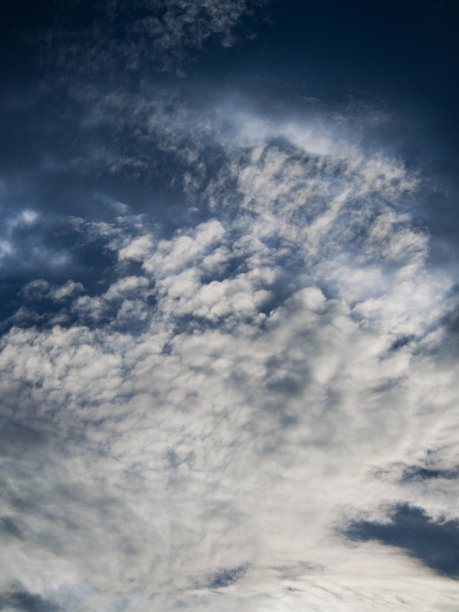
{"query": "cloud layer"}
pixel 201 432
pixel 236 388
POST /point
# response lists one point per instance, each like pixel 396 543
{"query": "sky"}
pixel 229 306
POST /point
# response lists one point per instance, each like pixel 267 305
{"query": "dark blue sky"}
pixel 400 58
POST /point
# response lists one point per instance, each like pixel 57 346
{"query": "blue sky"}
pixel 229 313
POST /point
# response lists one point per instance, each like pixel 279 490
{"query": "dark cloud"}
pixel 226 577
pixel 9 527
pixel 27 602
pixel 417 473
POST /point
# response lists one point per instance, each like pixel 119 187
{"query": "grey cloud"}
pixel 28 602
pixel 41 289
pixel 226 577
pixel 66 291
pixel 36 288
pixel 420 473
pixel 9 527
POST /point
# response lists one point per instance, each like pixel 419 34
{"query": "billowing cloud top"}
pixel 229 342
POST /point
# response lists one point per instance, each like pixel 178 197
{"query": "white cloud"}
pixel 260 407
pixel 137 249
pixel 67 290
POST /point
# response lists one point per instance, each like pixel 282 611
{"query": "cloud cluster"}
pixel 202 431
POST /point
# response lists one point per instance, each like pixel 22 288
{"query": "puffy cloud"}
pixel 289 365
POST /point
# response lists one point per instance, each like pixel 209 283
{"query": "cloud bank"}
pixel 241 396
pixel 203 430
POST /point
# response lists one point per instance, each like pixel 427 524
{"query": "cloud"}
pixel 22 600
pixel 156 34
pixel 211 395
pixel 228 365
pixel 67 290
pixel 203 428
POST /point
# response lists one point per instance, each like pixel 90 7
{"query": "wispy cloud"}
pixel 155 34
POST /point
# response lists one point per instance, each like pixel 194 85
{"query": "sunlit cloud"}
pixel 228 377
